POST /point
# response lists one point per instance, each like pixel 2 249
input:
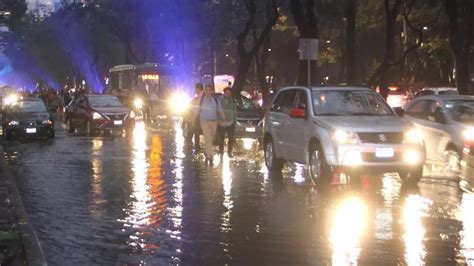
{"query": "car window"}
pixel 422 109
pixel 27 107
pixel 424 93
pixel 244 103
pixel 346 102
pixel 284 102
pixel 302 101
pixel 104 101
pixel 462 111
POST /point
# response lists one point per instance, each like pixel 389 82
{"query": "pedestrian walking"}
pixel 209 113
pixel 227 127
pixel 191 121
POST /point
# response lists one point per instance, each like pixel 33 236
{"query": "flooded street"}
pixel 144 199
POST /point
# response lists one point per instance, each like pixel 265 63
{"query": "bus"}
pixel 157 80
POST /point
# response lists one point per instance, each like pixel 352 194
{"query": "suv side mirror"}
pixel 297 113
pixel 399 111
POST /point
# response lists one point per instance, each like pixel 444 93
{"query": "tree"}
pixel 247 55
pixel 350 53
pixel 307 23
pixel 460 26
pixel 17 9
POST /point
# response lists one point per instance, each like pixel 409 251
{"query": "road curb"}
pixel 31 245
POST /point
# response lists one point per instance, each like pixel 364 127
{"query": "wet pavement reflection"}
pixel 146 199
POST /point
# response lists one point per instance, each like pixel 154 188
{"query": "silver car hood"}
pixel 363 123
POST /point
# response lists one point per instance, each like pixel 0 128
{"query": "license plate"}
pixel 384 152
pixel 118 122
pixel 31 130
pixel 250 129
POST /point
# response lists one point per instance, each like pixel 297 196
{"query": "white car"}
pixel 447 121
pixel 340 130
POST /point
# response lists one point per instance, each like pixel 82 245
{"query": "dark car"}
pixel 95 113
pixel 249 119
pixel 27 118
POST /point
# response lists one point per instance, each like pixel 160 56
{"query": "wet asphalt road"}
pixel 143 199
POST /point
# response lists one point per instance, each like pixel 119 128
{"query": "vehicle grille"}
pixel 30 123
pixel 381 137
pixel 370 157
pixel 116 117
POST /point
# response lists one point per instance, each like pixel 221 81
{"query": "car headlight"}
pixel 468 133
pixel 47 122
pixel 11 99
pixel 179 103
pixel 138 103
pixel 132 115
pixel 414 136
pixel 97 116
pixel 13 123
pixel 345 137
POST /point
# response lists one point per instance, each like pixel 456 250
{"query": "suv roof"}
pixel 439 89
pixel 330 87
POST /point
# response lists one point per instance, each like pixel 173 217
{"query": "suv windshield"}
pixel 345 102
pixel 462 111
pixel 28 107
pixel 244 103
pixel 104 101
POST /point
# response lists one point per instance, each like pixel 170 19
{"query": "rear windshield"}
pixel 27 107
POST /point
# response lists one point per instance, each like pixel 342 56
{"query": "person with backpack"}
pixel 209 113
pixel 228 127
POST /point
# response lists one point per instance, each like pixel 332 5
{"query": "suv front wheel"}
pixel 271 161
pixel 318 169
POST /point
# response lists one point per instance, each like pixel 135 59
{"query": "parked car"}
pixel 446 121
pixel 435 91
pixel 27 118
pixel 340 128
pixel 97 113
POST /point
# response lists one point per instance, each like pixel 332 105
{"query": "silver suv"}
pixel 338 132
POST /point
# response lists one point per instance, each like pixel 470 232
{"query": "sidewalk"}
pixel 19 244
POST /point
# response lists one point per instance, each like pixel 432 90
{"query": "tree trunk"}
pixel 460 42
pixel 350 56
pixel 307 24
pixel 384 72
pixel 244 66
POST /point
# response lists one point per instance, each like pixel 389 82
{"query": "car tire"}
pixel 412 176
pixel 69 127
pixel 453 161
pixel 271 161
pixel 318 170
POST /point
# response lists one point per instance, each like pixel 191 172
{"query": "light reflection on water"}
pixel 227 202
pixel 176 211
pixel 414 232
pixel 97 169
pixel 347 228
pixel 467 234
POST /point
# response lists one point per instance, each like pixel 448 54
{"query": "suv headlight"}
pixel 97 116
pixel 138 103
pixel 345 137
pixel 468 133
pixel 13 123
pixel 414 136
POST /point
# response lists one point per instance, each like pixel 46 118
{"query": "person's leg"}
pixel 208 137
pixel 213 129
pixel 221 136
pixel 230 139
pixel 196 134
